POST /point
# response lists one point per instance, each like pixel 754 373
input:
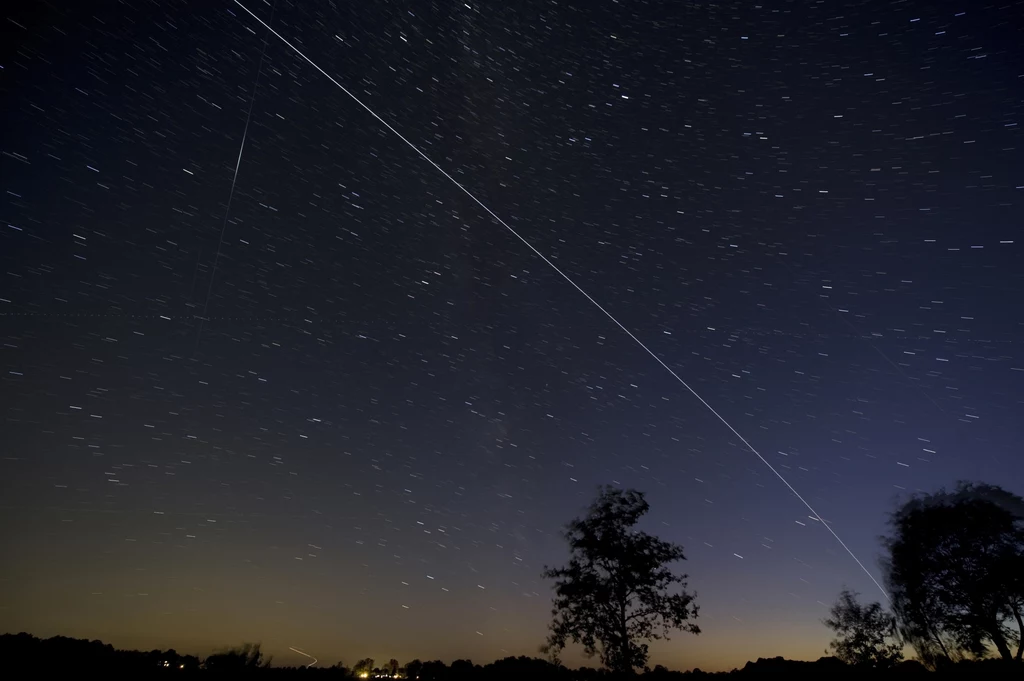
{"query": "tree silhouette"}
pixel 364 666
pixel 340 667
pixel 616 591
pixel 522 667
pixel 392 667
pixel 245 658
pixel 461 669
pixel 955 571
pixel 413 669
pixel 433 671
pixel 865 634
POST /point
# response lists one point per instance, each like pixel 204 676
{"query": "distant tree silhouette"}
pixel 522 667
pixel 955 571
pixel 791 670
pixel 461 670
pixel 340 667
pixel 435 670
pixel 69 655
pixel 616 591
pixel 25 656
pixel 866 635
pixel 244 658
pixel 413 669
pixel 364 666
pixel 591 674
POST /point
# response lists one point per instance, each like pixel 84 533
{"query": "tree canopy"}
pixel 866 635
pixel 617 591
pixel 245 658
pixel 364 665
pixel 955 571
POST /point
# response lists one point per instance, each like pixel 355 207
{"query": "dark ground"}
pixel 25 654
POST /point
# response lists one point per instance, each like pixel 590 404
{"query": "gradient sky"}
pixel 810 211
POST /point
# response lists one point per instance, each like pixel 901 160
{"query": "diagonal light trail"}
pixel 311 664
pixel 576 286
pixel 234 181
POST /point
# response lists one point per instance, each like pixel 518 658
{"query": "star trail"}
pixel 269 375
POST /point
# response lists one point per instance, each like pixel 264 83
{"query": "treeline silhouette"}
pixel 23 653
pixel 954 572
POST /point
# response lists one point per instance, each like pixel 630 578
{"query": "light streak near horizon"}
pixel 296 650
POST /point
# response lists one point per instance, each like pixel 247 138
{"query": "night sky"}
pixel 350 412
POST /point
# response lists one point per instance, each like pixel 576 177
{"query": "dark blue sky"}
pixel 810 212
